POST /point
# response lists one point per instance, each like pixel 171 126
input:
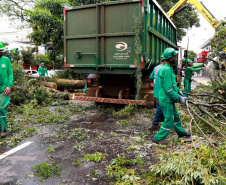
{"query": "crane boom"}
pixel 200 7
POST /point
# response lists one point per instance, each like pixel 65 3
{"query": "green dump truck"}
pixel 117 44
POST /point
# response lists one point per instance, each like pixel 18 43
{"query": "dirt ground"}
pixel 99 132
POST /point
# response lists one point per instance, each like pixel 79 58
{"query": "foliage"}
pixel 45 170
pixel 77 161
pixel 184 19
pixel 218 42
pixel 137 27
pixel 192 55
pixel 13 56
pixel 201 166
pixel 127 111
pixel 46 21
pixel 67 73
pixel 16 10
pixel 39 58
pixel 27 55
pixel 79 146
pixel 117 169
pixel 24 89
pixel 97 157
pixel 50 149
pixel 123 123
pixel 80 134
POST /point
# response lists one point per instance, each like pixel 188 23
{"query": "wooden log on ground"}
pixel 63 84
pixel 59 94
pixel 64 95
pixel 48 84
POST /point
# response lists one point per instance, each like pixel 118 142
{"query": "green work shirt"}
pixel 6 73
pixel 189 70
pixel 168 91
pixel 42 71
pixel 155 76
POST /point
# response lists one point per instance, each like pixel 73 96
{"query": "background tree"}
pixel 27 55
pixel 218 42
pixel 40 58
pixel 192 55
pixel 184 19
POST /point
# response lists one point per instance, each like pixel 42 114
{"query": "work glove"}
pixel 183 100
pixel 180 93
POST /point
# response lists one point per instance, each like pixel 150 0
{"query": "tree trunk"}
pixel 48 84
pixel 63 95
pixel 63 84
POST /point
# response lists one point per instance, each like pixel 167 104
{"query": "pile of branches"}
pixel 208 110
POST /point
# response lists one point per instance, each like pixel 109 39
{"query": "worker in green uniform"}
pixel 168 96
pixel 6 83
pixel 188 74
pixel 158 113
pixel 42 70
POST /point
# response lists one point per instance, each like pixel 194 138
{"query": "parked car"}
pixel 31 73
pixel 34 73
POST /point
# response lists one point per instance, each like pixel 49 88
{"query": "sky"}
pixel 197 36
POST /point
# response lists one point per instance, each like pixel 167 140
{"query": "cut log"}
pixel 63 84
pixel 48 84
pixel 59 94
pixel 64 95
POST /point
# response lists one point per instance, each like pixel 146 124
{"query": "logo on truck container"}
pixel 121 46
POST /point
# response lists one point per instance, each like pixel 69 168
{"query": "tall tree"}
pixel 184 19
pixel 192 55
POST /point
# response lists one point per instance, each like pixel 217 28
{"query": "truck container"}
pixel 112 42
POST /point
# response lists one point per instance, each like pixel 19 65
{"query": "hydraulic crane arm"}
pixel 199 6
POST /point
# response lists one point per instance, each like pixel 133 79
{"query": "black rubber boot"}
pixel 162 142
pixel 185 135
pixel 4 134
pixel 154 128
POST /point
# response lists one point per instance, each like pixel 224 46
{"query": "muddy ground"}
pixel 93 129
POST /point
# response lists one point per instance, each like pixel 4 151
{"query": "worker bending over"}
pixel 158 113
pixel 188 75
pixel 168 96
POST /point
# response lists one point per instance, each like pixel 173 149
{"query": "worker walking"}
pixel 6 83
pixel 42 70
pixel 158 113
pixel 188 75
pixel 169 94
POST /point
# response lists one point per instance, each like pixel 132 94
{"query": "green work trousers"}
pixel 4 102
pixel 187 87
pixel 171 119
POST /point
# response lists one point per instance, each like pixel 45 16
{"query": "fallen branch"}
pixel 207 122
pixel 206 95
pixel 200 128
pixel 49 157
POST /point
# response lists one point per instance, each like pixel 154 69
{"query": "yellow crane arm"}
pixel 200 7
pixel 176 7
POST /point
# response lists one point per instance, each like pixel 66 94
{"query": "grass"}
pixel 45 170
pixel 97 157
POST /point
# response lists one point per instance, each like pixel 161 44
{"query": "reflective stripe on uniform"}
pixel 176 123
pixel 3 116
pixel 165 128
pixel 174 85
pixel 169 90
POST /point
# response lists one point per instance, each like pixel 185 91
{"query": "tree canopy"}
pixel 192 55
pixel 218 41
pixel 184 19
